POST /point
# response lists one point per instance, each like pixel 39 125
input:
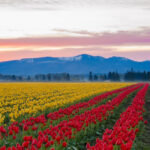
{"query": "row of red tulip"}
pixel 125 129
pixel 73 109
pixel 33 122
pixel 77 107
pixel 66 130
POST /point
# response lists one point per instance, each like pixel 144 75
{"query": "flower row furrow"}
pixel 69 110
pixel 124 131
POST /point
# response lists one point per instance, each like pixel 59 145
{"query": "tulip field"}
pixel 74 116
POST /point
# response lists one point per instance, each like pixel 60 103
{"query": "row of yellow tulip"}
pixel 20 99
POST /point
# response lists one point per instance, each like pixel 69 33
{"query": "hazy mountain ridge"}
pixel 80 64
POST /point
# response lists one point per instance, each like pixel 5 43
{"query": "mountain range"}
pixel 81 64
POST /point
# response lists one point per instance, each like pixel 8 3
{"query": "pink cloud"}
pixel 92 43
pixel 119 38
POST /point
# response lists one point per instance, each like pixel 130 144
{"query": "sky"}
pixel 63 28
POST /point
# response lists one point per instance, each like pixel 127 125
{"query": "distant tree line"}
pixel 128 76
pixel 66 77
pixel 11 77
pixel 137 76
pixel 38 77
pixel 112 76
